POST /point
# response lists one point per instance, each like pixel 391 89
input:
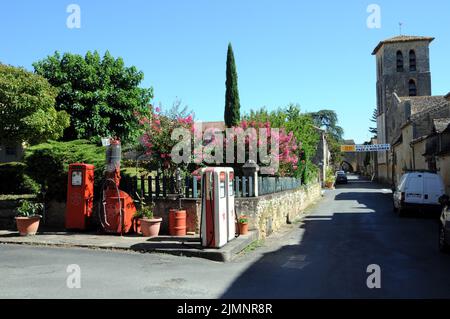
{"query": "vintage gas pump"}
pixel 217 220
pixel 117 208
pixel 231 219
pixel 80 196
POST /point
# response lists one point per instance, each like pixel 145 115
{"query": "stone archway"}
pixel 346 166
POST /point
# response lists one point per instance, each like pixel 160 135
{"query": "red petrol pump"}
pixel 80 196
pixel 218 214
pixel 117 208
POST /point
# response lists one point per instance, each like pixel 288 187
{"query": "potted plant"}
pixel 243 225
pixel 329 179
pixel 150 225
pixel 28 216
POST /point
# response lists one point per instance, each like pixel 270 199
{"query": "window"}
pixel 412 61
pixel 412 88
pixel 399 61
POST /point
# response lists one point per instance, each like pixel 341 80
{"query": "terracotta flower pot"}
pixel 243 228
pixel 28 225
pixel 150 227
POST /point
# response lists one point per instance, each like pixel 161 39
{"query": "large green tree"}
pixel 328 120
pixel 232 104
pixel 101 95
pixel 27 108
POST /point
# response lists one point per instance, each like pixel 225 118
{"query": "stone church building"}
pixel 404 100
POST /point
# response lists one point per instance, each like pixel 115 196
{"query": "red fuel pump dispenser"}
pixel 80 196
pixel 117 208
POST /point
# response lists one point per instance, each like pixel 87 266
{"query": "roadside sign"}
pixel 365 148
pixel 106 141
pixel 373 148
pixel 348 148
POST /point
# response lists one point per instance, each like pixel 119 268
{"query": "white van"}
pixel 420 190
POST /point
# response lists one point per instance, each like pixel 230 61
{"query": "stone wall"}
pixel 191 206
pixel 389 81
pixel 268 213
pixel 55 215
pixel 7 214
pixel 443 165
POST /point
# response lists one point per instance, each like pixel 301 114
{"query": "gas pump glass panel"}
pixel 77 178
pixel 222 185
pixel 231 184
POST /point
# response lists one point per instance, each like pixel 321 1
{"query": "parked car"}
pixel 444 225
pixel 341 177
pixel 418 190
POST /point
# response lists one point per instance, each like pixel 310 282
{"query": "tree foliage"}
pixel 302 125
pixel 373 119
pixel 16 181
pixel 48 164
pixel 328 120
pixel 157 138
pixel 232 104
pixel 27 108
pixel 101 95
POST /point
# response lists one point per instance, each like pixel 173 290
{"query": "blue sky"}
pixel 315 53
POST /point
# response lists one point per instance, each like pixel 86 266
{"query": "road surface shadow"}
pixel 337 242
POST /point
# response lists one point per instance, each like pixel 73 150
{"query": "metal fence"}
pixel 154 187
pixel 269 185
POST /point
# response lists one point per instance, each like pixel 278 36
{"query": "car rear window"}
pixel 415 184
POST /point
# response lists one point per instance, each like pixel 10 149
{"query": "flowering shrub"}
pixel 289 153
pixel 157 140
pixel 211 147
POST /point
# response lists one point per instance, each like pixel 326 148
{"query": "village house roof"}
pixel 349 142
pixel 420 104
pixel 419 139
pixel 398 140
pixel 441 125
pixel 401 38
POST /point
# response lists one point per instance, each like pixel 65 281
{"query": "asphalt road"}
pixel 324 256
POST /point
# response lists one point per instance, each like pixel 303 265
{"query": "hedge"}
pixel 48 164
pixel 14 180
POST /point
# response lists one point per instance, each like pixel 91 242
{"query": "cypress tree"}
pixel 232 104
